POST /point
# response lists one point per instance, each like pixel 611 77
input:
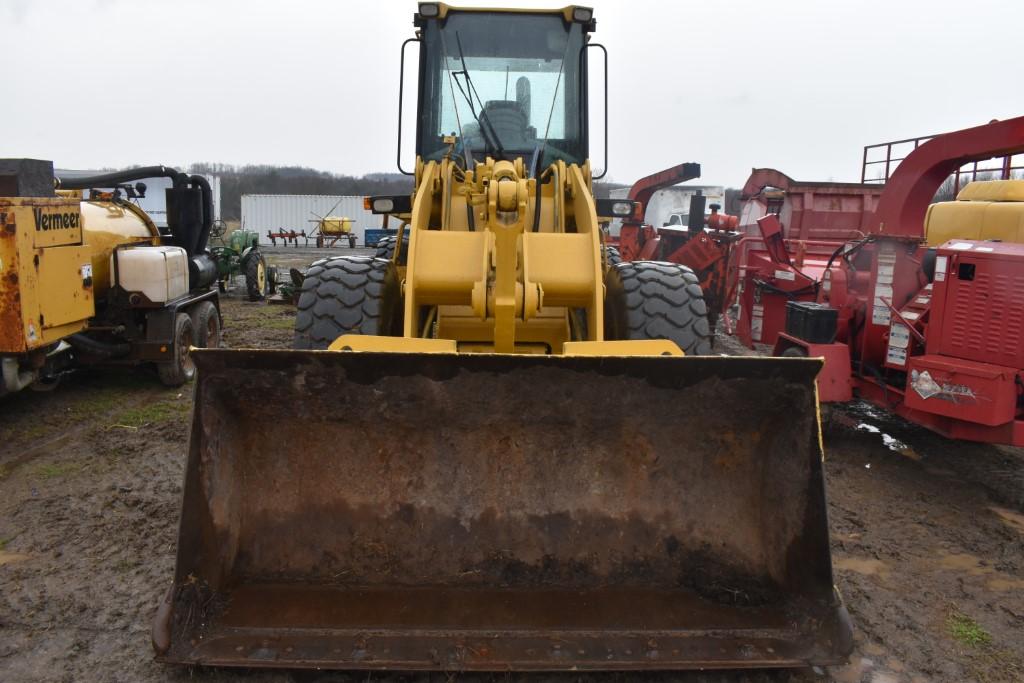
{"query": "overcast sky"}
pixel 799 86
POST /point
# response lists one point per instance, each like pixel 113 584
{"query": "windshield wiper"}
pixel 488 131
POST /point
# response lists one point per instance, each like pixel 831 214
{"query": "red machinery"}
pixel 783 259
pixel 934 335
pixel 286 236
pixel 706 252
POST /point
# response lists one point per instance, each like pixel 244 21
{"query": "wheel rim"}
pixel 185 351
pixel 212 333
pixel 261 276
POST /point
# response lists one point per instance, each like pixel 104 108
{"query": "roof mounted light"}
pixel 581 14
pixel 429 10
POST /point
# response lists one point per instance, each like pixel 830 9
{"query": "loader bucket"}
pixel 487 512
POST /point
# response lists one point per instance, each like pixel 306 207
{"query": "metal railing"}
pixel 884 157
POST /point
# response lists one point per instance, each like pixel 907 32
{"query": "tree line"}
pixel 236 181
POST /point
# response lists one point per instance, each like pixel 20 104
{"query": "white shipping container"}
pixel 275 212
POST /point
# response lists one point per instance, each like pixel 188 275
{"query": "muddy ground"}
pixel 927 534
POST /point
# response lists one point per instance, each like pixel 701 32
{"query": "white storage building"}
pixel 274 212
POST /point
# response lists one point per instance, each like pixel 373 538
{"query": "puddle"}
pixel 1014 520
pixel 1001 585
pixel 972 566
pixel 864 669
pixel 890 442
pixel 861 565
pixel 962 562
pixel 8 558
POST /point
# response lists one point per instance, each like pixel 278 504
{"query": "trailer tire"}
pixel 256 276
pixel 657 300
pixel 351 241
pixel 347 295
pixel 181 368
pixel 206 323
pixel 386 249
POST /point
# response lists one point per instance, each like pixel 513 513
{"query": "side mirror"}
pixel 603 76
pixel 401 92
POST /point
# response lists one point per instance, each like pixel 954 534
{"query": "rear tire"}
pixel 207 325
pixel 612 255
pixel 256 277
pixel 657 300
pixel 181 368
pixel 347 295
pixel 386 249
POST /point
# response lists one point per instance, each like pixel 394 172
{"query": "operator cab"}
pixel 506 84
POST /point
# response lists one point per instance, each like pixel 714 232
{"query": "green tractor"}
pixel 239 254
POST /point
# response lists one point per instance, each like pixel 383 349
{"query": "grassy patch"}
pixel 57 469
pixel 3 544
pixel 162 411
pixel 967 631
pixel 279 323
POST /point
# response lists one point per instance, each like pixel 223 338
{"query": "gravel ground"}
pixel 927 534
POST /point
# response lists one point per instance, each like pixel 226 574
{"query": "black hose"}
pixel 207 191
pixel 112 179
pixel 98 348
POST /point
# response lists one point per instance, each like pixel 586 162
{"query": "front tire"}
pixel 181 368
pixel 657 300
pixel 347 295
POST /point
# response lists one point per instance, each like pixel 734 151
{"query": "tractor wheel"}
pixel 207 325
pixel 386 249
pixel 272 274
pixel 657 300
pixel 181 368
pixel 612 255
pixel 256 276
pixel 351 241
pixel 794 352
pixel 347 295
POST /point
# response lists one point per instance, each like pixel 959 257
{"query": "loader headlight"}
pixel 582 14
pixel 615 208
pixel 388 204
pixel 429 9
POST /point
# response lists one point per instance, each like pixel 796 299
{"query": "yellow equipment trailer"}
pixel 500 457
pixel 90 280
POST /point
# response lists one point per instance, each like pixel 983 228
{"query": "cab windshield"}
pixel 507 85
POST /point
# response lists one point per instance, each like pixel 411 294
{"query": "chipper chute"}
pixel 499 512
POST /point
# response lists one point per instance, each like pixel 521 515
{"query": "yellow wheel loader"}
pixel 504 454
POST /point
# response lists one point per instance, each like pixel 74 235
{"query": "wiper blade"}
pixel 488 131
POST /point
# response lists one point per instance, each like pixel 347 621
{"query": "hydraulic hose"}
pixel 111 179
pixel 204 234
pixel 98 348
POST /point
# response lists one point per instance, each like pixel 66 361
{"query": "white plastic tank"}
pixel 158 273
